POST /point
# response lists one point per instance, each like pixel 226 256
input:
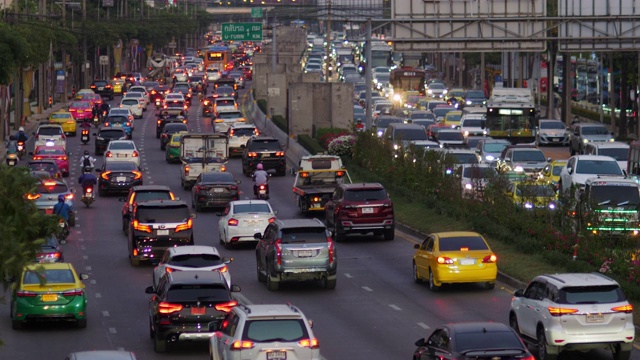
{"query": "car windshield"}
pixel 251 208
pixel 535 190
pixel 552 125
pixel 198 292
pixel 611 195
pixel 453 117
pixel 52 188
pixel 244 131
pixel 604 294
pixel 229 115
pixel 195 79
pixel 475 94
pixel 195 260
pixel 117 145
pixel 152 195
pixel 49 276
pixel 60 116
pixel 440 112
pixel 620 154
pixel 225 102
pixel 129 102
pixel 422 115
pixel 410 134
pixel 120 166
pixel 464 158
pixel 473 123
pixel 111 134
pixel 493 147
pixel 360 195
pixel 265 145
pixel 304 235
pixel 117 119
pixel 49 131
pixel 80 105
pixel 271 330
pixel 600 167
pixel 217 177
pixel 172 214
pixel 478 172
pixel 526 155
pixel 224 90
pixel 100 83
pixel 595 130
pixel 462 243
pixel 450 135
pixel 487 340
pixel 384 122
pixel 173 128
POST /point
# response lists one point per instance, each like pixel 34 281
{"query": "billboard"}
pixel 469 25
pixel 598 25
pixel 350 10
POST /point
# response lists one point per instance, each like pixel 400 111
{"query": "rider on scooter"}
pixel 87 161
pixel 87 179
pixel 21 136
pixel 261 178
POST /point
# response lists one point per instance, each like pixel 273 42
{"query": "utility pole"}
pixel 18 99
pixel 327 59
pixel 64 52
pixel 85 70
pixel 367 75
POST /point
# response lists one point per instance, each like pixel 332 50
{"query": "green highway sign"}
pixel 242 31
pixel 256 13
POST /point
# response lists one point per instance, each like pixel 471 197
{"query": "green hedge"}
pixel 280 122
pixel 310 144
pixel 262 104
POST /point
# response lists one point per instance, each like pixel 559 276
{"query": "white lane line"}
pixel 92 282
pixel 367 288
pixel 98 296
pixel 82 247
pixel 80 239
pixel 85 257
pixel 78 232
pixel 394 307
pixel 347 275
pixel 88 268
pixel 423 325
pixel 113 330
pixel 105 314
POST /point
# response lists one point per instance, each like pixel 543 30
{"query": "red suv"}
pixel 360 209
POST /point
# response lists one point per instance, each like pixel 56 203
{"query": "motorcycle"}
pixel 158 104
pixel 262 192
pixel 64 229
pixel 87 196
pixel 359 126
pixel 21 149
pixel 85 136
pixel 96 121
pixel 12 159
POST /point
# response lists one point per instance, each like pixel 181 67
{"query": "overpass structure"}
pixel 230 10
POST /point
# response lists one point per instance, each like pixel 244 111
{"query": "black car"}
pixel 184 89
pixel 157 225
pixel 103 88
pixel 225 91
pixel 168 130
pixel 265 150
pixel 165 119
pixel 142 193
pixel 51 250
pixel 225 81
pixel 472 340
pixel 214 189
pixel 104 136
pixel 174 107
pixel 198 79
pixel 118 176
pixel 188 306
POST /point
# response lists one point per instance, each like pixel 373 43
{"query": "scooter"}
pixel 158 104
pixel 12 159
pixel 85 136
pixel 64 229
pixel 262 192
pixel 96 121
pixel 87 196
pixel 21 149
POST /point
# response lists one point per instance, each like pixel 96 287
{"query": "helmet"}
pixel 21 128
pixel 259 167
pixel 86 169
pixel 60 198
pixel 86 152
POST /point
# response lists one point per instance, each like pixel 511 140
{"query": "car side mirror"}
pixel 310 322
pixel 257 236
pixel 238 182
pixel 194 215
pixel 548 159
pixel 518 293
pixel 569 170
pixel 149 290
pixel 421 342
pixel 275 212
pixel 235 288
pixel 83 276
pixel 416 246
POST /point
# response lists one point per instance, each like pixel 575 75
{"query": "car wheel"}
pixel 159 345
pixel 389 234
pixel 543 348
pixel 261 277
pixel 271 285
pixel 330 283
pixel 619 354
pixel 81 323
pixel 151 332
pixel 416 276
pixel 134 261
pixel 489 285
pixel 513 323
pixel 432 285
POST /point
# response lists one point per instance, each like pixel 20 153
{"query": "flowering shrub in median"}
pixel 342 146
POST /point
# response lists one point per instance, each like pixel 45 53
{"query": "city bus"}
pixel 407 79
pixel 218 57
pixel 511 115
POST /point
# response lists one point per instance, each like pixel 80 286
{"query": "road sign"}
pixel 256 13
pixel 242 31
pixel 104 60
pixel 172 45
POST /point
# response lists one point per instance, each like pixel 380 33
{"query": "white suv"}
pixel 574 311
pixel 264 332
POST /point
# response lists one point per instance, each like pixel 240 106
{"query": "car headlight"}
pixel 584 141
pixel 380 132
pixel 612 140
pixel 395 146
pixel 444 91
pixel 528 205
pixel 466 133
pixel 489 158
pixel 468 102
pixel 518 169
pixel 552 206
pixel 430 91
pixel 468 186
pixel 397 97
pixel 449 171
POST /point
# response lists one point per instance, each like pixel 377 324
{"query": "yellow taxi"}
pixel 118 86
pixel 172 153
pixel 533 193
pixel 552 171
pixel 452 119
pixel 458 94
pixel 66 120
pixel 83 92
pixel 454 257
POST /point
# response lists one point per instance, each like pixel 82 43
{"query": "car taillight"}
pixel 168 308
pixel 231 132
pixel 628 309
pixel 136 175
pixel 105 175
pixel 272 219
pixel 226 307
pixel 331 249
pixel 233 187
pixel 490 259
pixel 187 226
pixel 444 260
pixel 68 196
pixel 158 122
pixel 138 227
pixel 186 170
pixel 223 269
pixel 242 345
pixel 74 292
pixel 556 311
pixel 106 124
pixel 232 222
pixel 128 124
pixel 252 154
pixel 278 246
pixel 53 255
pixel 37 157
pixel 109 154
pixel 33 196
pixel 169 270
pixel 223 168
pixel 72 110
pixel 25 293
pixel 279 153
pixel 309 343
pixel 135 154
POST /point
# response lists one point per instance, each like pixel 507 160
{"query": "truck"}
pixel 200 153
pixel 317 178
pixel 159 66
pixel 609 205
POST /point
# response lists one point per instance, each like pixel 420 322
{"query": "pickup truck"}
pixel 316 180
pixel 200 153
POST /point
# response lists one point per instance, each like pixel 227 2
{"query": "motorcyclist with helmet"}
pixel 87 161
pixel 260 177
pixel 62 209
pixel 21 136
pixel 87 179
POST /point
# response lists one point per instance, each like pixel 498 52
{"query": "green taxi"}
pixel 172 152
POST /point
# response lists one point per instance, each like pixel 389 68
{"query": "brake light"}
pixel 627 309
pixel 105 175
pixel 278 245
pixel 231 132
pixel 169 270
pixel 109 154
pixel 304 174
pixel 106 124
pixel 490 259
pixel 242 345
pixel 54 255
pixel 444 260
pixel 309 343
pixel 72 110
pixel 252 154
pixel 33 196
pixel 49 183
pixel 88 190
pixel 74 292
pixel 272 219
pixel 233 222
pixel 331 249
pixel 137 226
pixel 339 173
pixel 25 293
pixel 186 170
pixel 223 168
pixel 226 307
pixel 223 269
pixel 135 154
pixel 186 226
pixel 136 175
pixel 556 311
pixel 68 196
pixel 279 153
pixel 168 308
pixel 263 187
pixel 37 157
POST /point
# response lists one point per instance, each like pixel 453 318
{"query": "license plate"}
pixel 555 140
pixel 367 210
pixel 122 155
pixel 262 192
pixel 595 318
pixel 218 190
pixel 48 211
pixel 277 355
pixel 266 155
pixel 49 297
pixel 467 261
pixel 117 125
pixel 304 253
pixel 12 162
pixel 163 232
pixel 101 88
pixel 198 310
pixel 121 179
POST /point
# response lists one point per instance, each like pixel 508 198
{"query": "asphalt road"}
pixel 375 312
